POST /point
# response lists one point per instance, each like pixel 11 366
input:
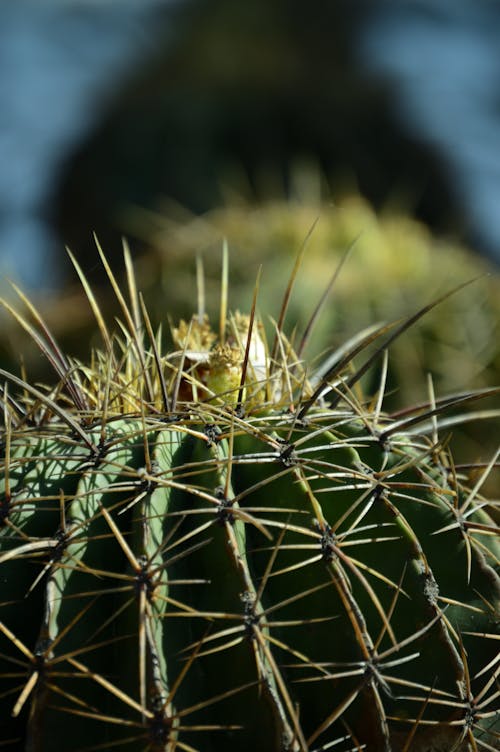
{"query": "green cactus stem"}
pixel 218 548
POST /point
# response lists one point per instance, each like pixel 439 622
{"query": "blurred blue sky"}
pixel 62 60
pixel 442 58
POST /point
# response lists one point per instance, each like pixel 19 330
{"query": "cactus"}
pixel 221 548
pixel 401 262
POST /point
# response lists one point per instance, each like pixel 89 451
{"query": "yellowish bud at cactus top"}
pixel 196 338
pixel 224 373
pixel 218 366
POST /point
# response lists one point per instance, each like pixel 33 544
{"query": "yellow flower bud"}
pixel 224 373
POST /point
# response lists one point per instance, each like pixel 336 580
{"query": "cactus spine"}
pixel 216 549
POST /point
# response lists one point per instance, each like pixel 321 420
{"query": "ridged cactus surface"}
pixel 214 550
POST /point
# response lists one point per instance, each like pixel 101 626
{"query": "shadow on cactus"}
pixel 219 548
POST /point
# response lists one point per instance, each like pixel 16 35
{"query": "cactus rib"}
pixel 213 549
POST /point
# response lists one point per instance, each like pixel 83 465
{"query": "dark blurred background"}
pixel 112 104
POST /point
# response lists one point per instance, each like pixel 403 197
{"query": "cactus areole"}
pixel 220 549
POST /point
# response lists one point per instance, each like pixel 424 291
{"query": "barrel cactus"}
pixel 222 548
